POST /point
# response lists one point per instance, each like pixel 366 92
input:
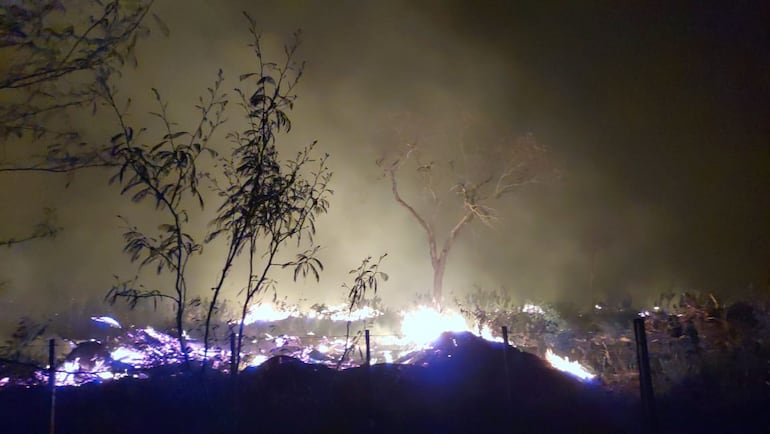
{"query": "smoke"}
pixel 658 130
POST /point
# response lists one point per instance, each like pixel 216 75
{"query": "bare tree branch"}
pixel 483 176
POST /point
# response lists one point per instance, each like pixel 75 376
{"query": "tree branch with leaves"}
pixel 51 54
pixel 366 279
pixel 268 201
pixel 54 54
pixel 166 174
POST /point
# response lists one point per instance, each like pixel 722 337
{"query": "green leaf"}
pixel 266 79
pixel 174 135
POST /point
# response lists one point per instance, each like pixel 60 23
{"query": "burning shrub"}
pixel 533 327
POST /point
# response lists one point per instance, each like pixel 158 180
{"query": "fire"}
pixel 532 309
pixel 571 367
pixel 138 350
pixel 486 333
pixel 265 313
pixel 258 360
pixel 346 314
pixel 340 312
pixel 106 320
pixel 71 373
pixel 424 324
pixel 130 356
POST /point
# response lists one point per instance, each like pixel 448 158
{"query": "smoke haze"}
pixel 657 114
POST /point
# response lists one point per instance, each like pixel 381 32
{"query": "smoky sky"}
pixel 656 112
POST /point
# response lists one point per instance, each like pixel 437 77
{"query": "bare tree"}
pixel 461 190
pixel 166 173
pixel 269 201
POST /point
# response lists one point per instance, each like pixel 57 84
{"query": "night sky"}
pixel 657 113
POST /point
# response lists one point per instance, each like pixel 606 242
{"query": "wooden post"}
pixel 649 418
pixel 505 365
pixel 233 357
pixel 368 373
pixel 52 383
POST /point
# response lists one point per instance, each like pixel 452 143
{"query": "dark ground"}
pixel 458 387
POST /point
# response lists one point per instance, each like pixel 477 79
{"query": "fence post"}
pixel 368 349
pixel 505 365
pixel 233 357
pixel 52 383
pixel 649 421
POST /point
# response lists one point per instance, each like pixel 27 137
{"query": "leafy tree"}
pixel 367 277
pixel 47 227
pixel 269 201
pixel 465 188
pixel 165 173
pixel 51 53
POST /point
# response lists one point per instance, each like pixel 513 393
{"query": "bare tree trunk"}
pixel 239 342
pixel 439 266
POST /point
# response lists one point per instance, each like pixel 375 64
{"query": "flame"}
pixel 425 324
pixel 532 309
pixel 486 333
pixel 345 314
pixel 109 321
pixel 340 312
pixel 128 355
pixel 258 360
pixel 565 365
pixel 140 349
pixel 265 313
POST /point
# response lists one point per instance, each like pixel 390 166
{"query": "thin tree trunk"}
pixel 239 343
pixel 439 266
pixel 181 338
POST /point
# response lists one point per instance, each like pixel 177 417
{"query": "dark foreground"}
pixel 459 387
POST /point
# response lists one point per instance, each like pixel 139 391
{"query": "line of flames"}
pixel 419 328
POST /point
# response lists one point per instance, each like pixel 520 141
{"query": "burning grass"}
pixel 456 385
pixel 135 352
pixel 700 350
